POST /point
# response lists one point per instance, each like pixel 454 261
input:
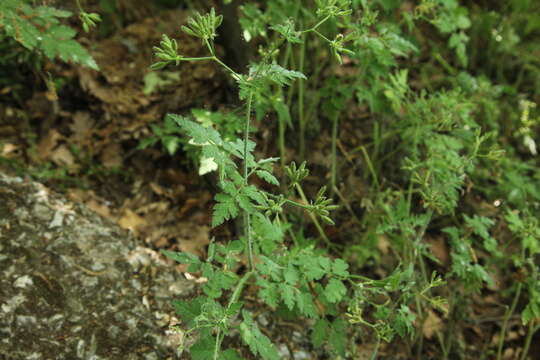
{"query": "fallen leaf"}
pixel 63 157
pixel 439 249
pixel 131 221
pixel 111 156
pixel 432 325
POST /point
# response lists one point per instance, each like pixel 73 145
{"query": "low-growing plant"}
pixel 286 273
pixel 40 28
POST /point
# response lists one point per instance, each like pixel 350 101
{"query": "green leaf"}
pixel 335 290
pixel 269 292
pixel 304 302
pixel 404 321
pixel 287 295
pixel 199 134
pixel 267 176
pixel 225 209
pixel 291 275
pixel 338 336
pixel 188 310
pixel 258 343
pixel 312 268
pixel 255 194
pixel 340 267
pixel 230 354
pixel 269 233
pixel 203 349
pixel 184 258
pixel 274 73
pixel 288 32
pixel 320 332
pixel 531 312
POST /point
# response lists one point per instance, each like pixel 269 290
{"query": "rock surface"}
pixel 75 286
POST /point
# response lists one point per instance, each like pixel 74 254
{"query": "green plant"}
pixel 40 28
pixel 432 144
pixel 304 280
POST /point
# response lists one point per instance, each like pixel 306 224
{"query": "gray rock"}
pixel 75 286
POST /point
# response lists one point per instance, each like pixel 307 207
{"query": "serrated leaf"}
pixel 269 233
pixel 225 209
pixel 312 268
pixel 203 349
pixel 269 292
pixel 404 321
pixel 288 32
pixel 290 274
pixel 339 268
pixel 258 343
pixel 188 310
pixel 338 336
pixel 199 134
pixel 531 312
pixel 244 203
pixel 146 142
pixel 255 194
pixel 267 176
pixel 335 290
pixel 270 268
pixel 273 73
pixel 230 354
pixel 304 302
pixel 287 295
pixel 207 166
pixel 171 143
pixel 182 257
pixel 320 332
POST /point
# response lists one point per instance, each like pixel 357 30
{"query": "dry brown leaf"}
pixel 8 150
pixel 63 157
pixel 48 143
pixel 131 221
pixel 99 208
pixel 383 244
pixel 112 156
pixel 159 190
pixel 82 126
pixel 439 249
pixel 432 324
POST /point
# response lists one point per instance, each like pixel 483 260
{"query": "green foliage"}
pixel 434 144
pixel 40 28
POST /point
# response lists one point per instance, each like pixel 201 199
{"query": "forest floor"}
pixel 82 140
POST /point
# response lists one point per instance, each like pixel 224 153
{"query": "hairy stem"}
pixel 301 88
pixel 507 316
pixel 530 332
pixel 234 298
pixel 333 171
pixel 247 218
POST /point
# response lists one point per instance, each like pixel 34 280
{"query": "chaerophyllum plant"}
pixel 302 280
pixel 286 274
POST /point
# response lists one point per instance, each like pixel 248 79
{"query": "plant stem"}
pixel 370 167
pixel 507 315
pixel 234 298
pixel 219 338
pixel 333 175
pixel 376 350
pixel 301 88
pixel 313 217
pixel 530 332
pixel 199 58
pixel 247 218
